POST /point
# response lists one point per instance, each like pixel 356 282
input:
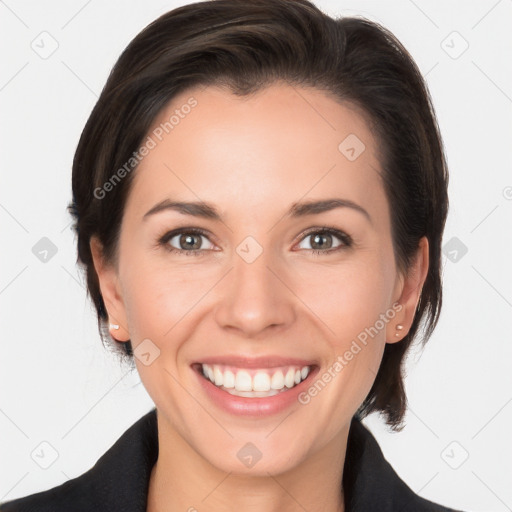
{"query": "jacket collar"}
pixel 120 478
pixel 370 482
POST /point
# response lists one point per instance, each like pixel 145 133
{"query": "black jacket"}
pixel 119 479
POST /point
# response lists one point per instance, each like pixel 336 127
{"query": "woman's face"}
pixel 278 266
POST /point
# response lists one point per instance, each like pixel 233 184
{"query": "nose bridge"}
pixel 254 299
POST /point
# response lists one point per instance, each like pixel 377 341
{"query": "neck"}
pixel 182 480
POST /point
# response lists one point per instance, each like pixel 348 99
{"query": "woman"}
pixel 259 198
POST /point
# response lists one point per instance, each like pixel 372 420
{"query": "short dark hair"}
pixel 247 46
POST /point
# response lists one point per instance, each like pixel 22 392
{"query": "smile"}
pixel 254 382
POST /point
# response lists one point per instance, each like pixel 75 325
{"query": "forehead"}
pixel 261 151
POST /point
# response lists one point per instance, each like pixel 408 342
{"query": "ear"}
pixel 409 293
pixel 110 291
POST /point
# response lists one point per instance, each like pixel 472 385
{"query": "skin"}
pixel 252 157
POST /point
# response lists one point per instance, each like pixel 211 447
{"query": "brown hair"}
pixel 247 46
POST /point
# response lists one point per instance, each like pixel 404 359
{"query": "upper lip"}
pixel 256 362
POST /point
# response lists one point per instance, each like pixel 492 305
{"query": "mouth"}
pixel 254 382
pixel 254 386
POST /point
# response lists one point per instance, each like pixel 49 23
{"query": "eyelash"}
pixel 346 240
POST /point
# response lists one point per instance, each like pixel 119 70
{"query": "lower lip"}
pixel 253 406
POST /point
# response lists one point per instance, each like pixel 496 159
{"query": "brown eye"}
pixel 321 241
pixel 325 240
pixel 187 242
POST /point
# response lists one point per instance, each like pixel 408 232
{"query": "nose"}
pixel 254 298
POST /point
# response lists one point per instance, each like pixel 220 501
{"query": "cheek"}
pixel 159 295
pixel 161 305
pixel 351 304
pixel 348 298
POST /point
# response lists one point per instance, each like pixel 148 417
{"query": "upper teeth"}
pixel 257 379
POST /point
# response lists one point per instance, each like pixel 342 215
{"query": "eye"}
pixel 325 240
pixel 187 241
pixel 194 241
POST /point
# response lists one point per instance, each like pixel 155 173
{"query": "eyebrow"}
pixel 299 209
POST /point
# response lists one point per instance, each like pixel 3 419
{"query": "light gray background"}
pixel 59 386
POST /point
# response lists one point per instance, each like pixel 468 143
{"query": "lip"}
pixel 261 406
pixel 256 362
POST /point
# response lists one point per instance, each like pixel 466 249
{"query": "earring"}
pixel 399 327
pixel 114 326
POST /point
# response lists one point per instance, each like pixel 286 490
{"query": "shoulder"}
pixel 118 480
pixel 371 484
